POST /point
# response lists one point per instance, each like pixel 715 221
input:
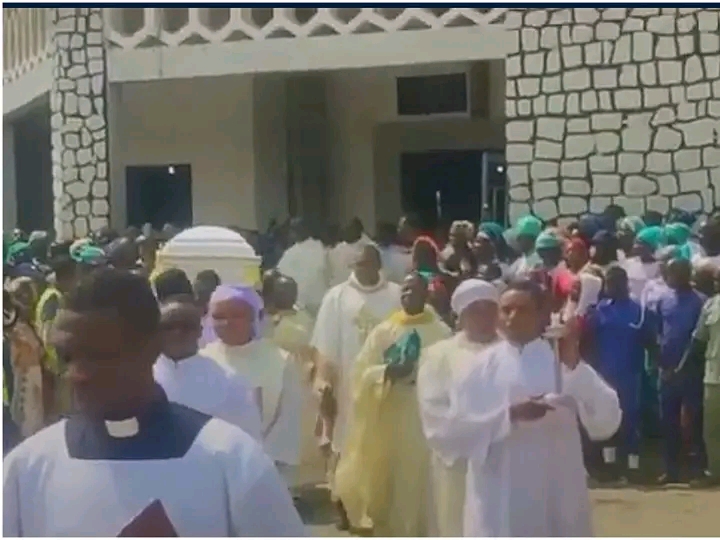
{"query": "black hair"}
pixel 128 295
pixel 178 299
pixel 386 234
pixel 172 282
pixel 207 278
pixel 529 286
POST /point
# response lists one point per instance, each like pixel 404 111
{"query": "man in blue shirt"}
pixel 677 311
pixel 618 334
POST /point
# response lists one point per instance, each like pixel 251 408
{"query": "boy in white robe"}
pixel 514 417
pixel 235 311
pixel 475 304
pixel 349 312
pixel 197 381
pixel 129 462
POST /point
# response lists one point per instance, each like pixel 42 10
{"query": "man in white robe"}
pixel 441 366
pixel 241 347
pixel 344 254
pixel 197 381
pixel 514 416
pixel 349 312
pixel 129 462
pixel 306 261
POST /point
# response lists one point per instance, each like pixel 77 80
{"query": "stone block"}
pixel 644 12
pixel 87 173
pixel 633 206
pixel 709 43
pixel 524 107
pixel 549 37
pixel 699 91
pixel 693 180
pixel 77 190
pixel 545 189
pixel 536 17
pixel 622 51
pixel 606 103
pixel 68 158
pixel 548 150
pixel 572 105
pixel 700 132
pixel 713 108
pixel 579 146
pixel 692 202
pixel 630 26
pixel 607 143
pixel 575 187
pixel 578 125
pixel 551 128
pixel 582 33
pixel 566 35
pixel 654 97
pixel 637 138
pixel 593 54
pixel 80 227
pixel 667 139
pixel 576 168
pixel 84 156
pixel 519 153
pixel 530 39
pixel 605 78
pixel 100 189
pixel 543 170
pixel 520 131
pixel 519 194
pixel 657 203
pixel 670 72
pixel 629 75
pixel 100 207
pixel 84 106
pixel 686 24
pixel 589 101
pixel 517 210
pixel 666 48
pixel 716 89
pixel 95 122
pixel 686 45
pixel 98 85
pixel 630 163
pixel 667 184
pixel 663 116
pixel 687 160
pixel 510 108
pixel 598 204
pixel 602 164
pixel 606 31
pixel 661 24
pixel 642 47
pixel 572 206
pixel 606 121
pixel 513 67
pixel 551 84
pixel 82 208
pixel 94 38
pixel 546 209
pixel 561 16
pixel 639 186
pixel 708 20
pixel 614 14
pixel 711 157
pixel 102 170
pixel 605 184
pixel 552 62
pixel 86 137
pixel 539 106
pixel 96 67
pixel 518 174
pixel 71 140
pixel 658 162
pixel 628 99
pixel 529 86
pixel 693 69
pixel 535 63
pixel 686 111
pixel 572 56
pixel 712 67
pixel 556 104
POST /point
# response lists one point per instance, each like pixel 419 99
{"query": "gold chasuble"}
pixel 384 472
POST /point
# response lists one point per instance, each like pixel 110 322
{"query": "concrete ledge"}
pixel 25 89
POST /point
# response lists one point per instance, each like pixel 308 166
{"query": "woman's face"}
pixel 483 248
pixel 234 321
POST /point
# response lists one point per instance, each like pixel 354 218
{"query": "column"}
pixel 79 123
pixel 9 178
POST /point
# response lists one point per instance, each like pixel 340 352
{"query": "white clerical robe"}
pixel 202 384
pixel 348 313
pixel 524 478
pixel 74 479
pixel 307 263
pixel 441 367
pixel 267 367
pixel 639 273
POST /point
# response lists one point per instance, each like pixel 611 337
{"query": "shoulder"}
pixel 393 288
pixel 41 450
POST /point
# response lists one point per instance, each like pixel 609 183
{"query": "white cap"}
pixel 470 291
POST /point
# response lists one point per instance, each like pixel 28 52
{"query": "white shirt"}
pixel 75 480
pixel 524 478
pixel 202 384
pixel 306 262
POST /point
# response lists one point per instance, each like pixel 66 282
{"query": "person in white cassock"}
pixel 514 417
pixel 197 381
pixel 475 302
pixel 129 462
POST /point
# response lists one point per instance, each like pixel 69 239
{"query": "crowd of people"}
pixel 459 384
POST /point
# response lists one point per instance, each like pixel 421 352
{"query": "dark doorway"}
pixel 442 186
pixel 33 170
pixel 159 195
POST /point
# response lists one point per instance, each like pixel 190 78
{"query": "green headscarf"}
pixel 677 233
pixel 87 254
pixel 16 250
pixel 493 229
pixel 652 236
pixel 528 226
pixel 547 240
pixel 633 224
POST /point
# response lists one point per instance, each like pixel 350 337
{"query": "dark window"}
pixel 432 94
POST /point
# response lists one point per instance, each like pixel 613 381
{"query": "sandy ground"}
pixel 617 512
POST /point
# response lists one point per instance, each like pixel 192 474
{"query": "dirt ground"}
pixel 672 512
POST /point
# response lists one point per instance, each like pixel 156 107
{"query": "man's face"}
pixel 234 321
pixel 102 358
pixel 678 273
pixel 519 316
pixel 550 257
pixel 480 318
pixel 180 329
pixel 616 284
pixel 414 294
pixel 525 243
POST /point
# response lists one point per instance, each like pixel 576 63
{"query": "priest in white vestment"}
pixel 349 313
pixel 514 417
pixel 342 257
pixel 306 261
pixel 235 311
pixel 129 462
pixel 197 381
pixel 441 366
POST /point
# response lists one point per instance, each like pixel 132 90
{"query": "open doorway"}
pixel 159 195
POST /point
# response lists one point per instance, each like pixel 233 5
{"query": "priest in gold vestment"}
pixel 383 477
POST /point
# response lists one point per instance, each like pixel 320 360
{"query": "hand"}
pixel 395 372
pixel 527 411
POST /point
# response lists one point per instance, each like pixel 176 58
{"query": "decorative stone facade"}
pixel 613 105
pixel 78 123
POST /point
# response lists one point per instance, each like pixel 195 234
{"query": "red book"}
pixel 151 522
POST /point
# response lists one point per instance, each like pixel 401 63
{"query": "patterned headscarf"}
pixel 245 294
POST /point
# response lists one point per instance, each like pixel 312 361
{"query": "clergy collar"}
pixel 163 431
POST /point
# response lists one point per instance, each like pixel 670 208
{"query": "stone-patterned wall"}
pixel 615 106
pixel 79 123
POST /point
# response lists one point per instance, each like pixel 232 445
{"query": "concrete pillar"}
pixel 79 123
pixel 9 178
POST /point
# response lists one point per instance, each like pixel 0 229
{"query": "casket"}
pixel 212 248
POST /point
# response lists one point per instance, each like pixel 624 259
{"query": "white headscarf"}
pixel 471 291
pixel 590 288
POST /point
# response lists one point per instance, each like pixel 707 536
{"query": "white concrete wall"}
pixel 206 122
pixel 9 178
pixel 367 136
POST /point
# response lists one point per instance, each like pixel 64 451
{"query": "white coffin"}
pixel 213 248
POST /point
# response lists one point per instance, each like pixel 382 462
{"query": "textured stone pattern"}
pixel 613 105
pixel 79 124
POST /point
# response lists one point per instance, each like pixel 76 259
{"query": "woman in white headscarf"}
pixel 474 302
